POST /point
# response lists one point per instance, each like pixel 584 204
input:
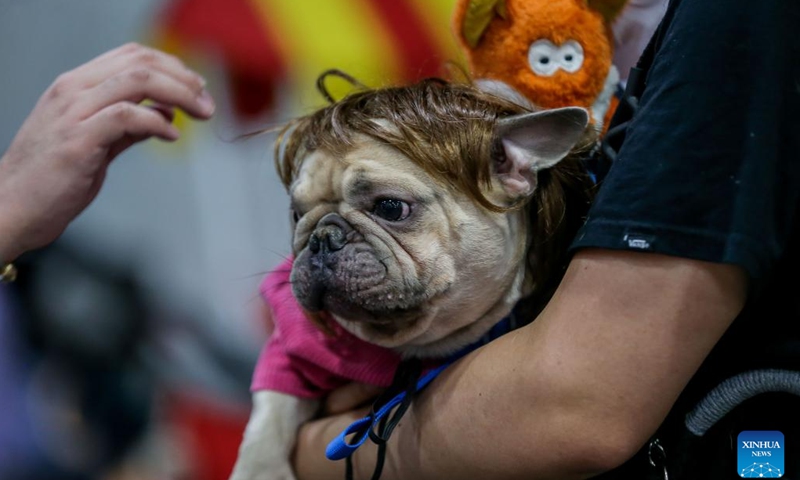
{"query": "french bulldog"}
pixel 419 215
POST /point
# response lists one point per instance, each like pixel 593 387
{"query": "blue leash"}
pixel 377 425
pixel 339 447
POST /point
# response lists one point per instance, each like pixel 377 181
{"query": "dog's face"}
pixel 403 261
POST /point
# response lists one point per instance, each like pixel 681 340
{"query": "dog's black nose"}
pixel 330 234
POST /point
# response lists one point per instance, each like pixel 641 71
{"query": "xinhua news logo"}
pixel 760 454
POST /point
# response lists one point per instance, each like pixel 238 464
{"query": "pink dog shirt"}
pixel 301 360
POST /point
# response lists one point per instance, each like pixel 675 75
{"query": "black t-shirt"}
pixel 710 169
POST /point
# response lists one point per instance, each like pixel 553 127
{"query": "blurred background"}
pixel 126 348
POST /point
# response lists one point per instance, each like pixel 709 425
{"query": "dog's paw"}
pixel 269 436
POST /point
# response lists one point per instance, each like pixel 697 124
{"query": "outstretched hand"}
pixel 57 162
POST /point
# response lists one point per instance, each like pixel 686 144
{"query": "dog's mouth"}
pixel 383 321
pixel 365 311
pixel 356 290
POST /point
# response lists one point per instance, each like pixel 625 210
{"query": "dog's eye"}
pixel 392 209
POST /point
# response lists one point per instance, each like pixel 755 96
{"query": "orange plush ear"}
pixel 472 17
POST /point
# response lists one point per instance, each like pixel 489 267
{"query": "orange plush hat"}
pixel 551 53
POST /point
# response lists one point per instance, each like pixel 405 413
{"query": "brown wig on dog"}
pixel 449 130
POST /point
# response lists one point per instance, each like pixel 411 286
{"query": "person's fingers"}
pixel 308 456
pixel 127 141
pixel 127 122
pixel 137 84
pixel 123 144
pixel 127 56
pixel 165 111
pixel 349 397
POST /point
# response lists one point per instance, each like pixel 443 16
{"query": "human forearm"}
pixel 11 234
pixel 583 387
pixel 506 413
pixel 480 419
pixel 9 250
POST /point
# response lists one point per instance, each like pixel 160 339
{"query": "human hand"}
pixel 353 396
pixel 342 407
pixel 57 162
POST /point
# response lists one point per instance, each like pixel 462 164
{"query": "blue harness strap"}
pixel 340 448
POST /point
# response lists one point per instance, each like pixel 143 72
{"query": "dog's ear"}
pixel 534 141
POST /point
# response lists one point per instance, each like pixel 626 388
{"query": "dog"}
pixel 422 215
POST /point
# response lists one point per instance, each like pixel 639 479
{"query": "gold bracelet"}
pixel 8 273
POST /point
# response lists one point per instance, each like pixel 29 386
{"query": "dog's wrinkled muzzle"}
pixel 343 274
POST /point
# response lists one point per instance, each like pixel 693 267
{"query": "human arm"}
pixel 57 162
pixel 573 394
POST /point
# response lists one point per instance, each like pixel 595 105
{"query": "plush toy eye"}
pixel 392 209
pixel 571 53
pixel 543 57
